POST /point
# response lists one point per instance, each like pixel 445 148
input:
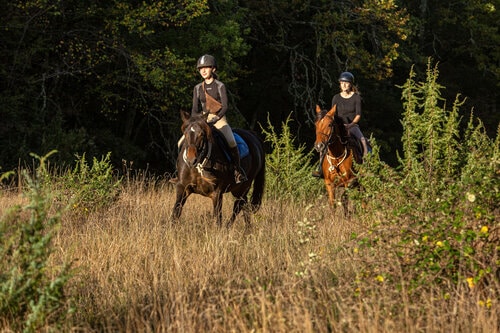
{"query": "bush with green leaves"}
pixel 88 187
pixel 438 211
pixel 288 174
pixel 32 291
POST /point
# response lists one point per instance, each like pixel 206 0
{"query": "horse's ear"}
pixel 332 111
pixel 185 116
pixel 318 109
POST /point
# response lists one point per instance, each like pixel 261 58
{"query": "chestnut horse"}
pixel 204 168
pixel 335 154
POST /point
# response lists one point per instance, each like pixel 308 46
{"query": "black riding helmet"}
pixel 206 61
pixel 347 77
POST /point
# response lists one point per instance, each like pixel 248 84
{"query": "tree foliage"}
pixel 93 77
pixel 313 41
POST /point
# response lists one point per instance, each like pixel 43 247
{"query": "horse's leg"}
pixel 330 188
pixel 344 202
pixel 217 204
pixel 182 193
pixel 246 216
pixel 238 205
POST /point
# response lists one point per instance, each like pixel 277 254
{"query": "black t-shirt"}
pixel 347 108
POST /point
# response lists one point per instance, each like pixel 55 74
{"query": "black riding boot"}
pixel 239 173
pixel 365 146
pixel 318 173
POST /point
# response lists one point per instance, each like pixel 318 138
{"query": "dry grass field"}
pixel 296 270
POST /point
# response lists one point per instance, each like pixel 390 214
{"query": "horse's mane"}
pixel 340 126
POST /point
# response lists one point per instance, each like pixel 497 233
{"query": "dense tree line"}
pixel 96 77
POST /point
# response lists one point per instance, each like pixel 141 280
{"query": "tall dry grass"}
pixel 296 270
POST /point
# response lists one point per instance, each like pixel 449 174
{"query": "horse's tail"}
pixel 258 186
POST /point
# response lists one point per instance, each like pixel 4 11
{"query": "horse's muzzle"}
pixel 319 147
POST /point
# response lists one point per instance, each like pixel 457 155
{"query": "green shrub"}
pixel 288 174
pixel 31 292
pixel 90 187
pixel 438 211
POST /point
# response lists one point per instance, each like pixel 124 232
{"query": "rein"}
pixel 200 166
pixel 206 152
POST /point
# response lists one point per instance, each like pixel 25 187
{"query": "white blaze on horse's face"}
pixel 323 130
pixel 191 149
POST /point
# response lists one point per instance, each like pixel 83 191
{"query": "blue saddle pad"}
pixel 242 145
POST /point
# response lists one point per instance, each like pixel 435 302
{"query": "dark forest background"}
pixel 91 77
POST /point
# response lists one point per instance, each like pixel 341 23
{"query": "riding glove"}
pixel 214 120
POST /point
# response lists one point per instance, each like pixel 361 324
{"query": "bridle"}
pixel 203 151
pixel 334 161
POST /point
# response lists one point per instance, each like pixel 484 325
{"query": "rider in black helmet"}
pixel 348 103
pixel 212 96
pixel 206 61
pixel 346 77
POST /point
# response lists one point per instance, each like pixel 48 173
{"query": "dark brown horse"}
pixel 204 168
pixel 336 156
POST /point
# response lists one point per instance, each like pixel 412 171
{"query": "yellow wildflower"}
pixel 486 304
